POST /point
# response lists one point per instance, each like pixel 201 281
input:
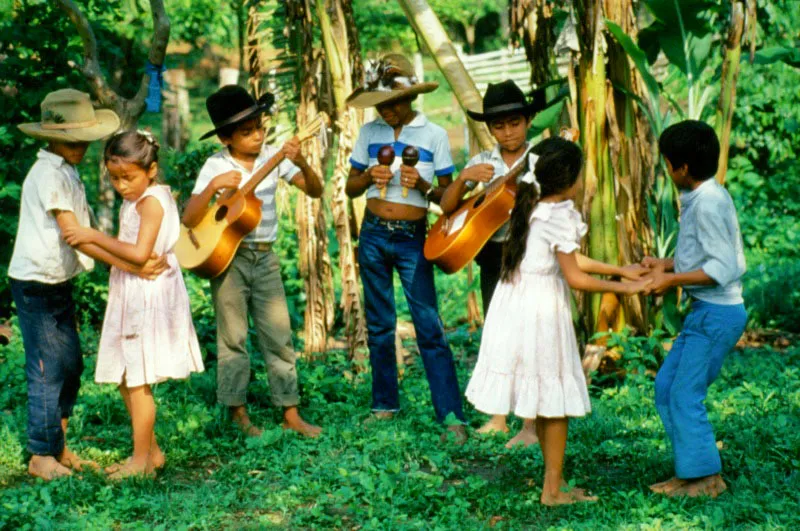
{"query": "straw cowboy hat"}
pixel 389 79
pixel 68 116
pixel 232 104
pixel 503 99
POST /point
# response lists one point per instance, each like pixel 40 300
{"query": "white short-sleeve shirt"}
pixel 40 253
pixel 222 161
pixel 430 140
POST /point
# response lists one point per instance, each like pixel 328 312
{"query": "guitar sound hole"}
pixel 221 213
pixel 478 201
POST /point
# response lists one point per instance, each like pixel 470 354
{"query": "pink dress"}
pixel 529 362
pixel 148 335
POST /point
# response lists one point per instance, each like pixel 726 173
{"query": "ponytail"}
pixel 514 247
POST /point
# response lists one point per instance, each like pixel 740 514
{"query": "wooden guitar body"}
pixel 455 240
pixel 208 248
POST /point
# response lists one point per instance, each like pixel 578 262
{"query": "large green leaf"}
pixel 638 57
pixel 698 48
pixel 693 14
pixel 772 54
pixel 547 118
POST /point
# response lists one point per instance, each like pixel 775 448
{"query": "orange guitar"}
pixel 208 248
pixel 455 240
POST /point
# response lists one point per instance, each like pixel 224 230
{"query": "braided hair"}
pixel 556 170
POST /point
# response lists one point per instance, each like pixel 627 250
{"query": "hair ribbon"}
pixel 530 176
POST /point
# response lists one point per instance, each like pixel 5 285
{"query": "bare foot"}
pixel 666 487
pixel 47 467
pixel 133 468
pixel 240 417
pixel 459 432
pixel 70 459
pixel 711 486
pixel 293 421
pixel 496 424
pixel 566 497
pixel 156 462
pixel 525 437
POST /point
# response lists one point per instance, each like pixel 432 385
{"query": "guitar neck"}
pixel 262 172
pixel 515 171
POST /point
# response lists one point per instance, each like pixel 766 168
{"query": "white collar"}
pixel 226 153
pixel 497 156
pixel 52 158
pixel 420 120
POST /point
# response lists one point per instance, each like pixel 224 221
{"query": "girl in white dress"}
pixel 529 362
pixel 148 335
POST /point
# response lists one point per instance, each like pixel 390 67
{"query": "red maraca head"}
pixel 410 156
pixel 386 155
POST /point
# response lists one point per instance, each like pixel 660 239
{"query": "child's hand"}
pixel 154 266
pixel 660 281
pixel 639 286
pixel 409 176
pixel 651 262
pixel 291 150
pixel 634 271
pixel 229 179
pixel 479 173
pixel 380 175
pixel 76 235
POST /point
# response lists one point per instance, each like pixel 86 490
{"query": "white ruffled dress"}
pixel 148 335
pixel 529 362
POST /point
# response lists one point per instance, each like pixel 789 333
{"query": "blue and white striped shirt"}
pixel 434 155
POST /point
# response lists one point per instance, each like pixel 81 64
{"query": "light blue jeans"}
pixel 709 333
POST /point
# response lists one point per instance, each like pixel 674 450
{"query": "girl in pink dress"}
pixel 148 335
pixel 529 362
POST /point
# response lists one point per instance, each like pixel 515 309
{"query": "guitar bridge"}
pixel 193 239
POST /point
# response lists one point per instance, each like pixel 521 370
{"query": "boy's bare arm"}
pixel 198 204
pixel 662 280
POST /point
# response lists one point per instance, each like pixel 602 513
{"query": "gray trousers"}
pixel 252 286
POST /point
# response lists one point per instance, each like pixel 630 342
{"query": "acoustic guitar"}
pixel 208 248
pixel 455 240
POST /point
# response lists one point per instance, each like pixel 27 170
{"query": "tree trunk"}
pixel 315 266
pixel 337 38
pixel 427 25
pixel 129 110
pixel 727 93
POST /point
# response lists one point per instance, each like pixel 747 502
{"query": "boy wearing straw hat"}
pixel 393 234
pixel 43 266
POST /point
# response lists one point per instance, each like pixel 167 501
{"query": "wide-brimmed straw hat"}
pixel 389 79
pixel 232 104
pixel 503 99
pixel 68 116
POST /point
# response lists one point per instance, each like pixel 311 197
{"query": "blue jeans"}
pixel 709 333
pixel 53 362
pixel 382 249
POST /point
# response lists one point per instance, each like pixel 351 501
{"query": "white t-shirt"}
pixel 222 161
pixel 40 253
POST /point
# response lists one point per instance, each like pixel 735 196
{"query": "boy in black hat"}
pixel 508 115
pixel 252 283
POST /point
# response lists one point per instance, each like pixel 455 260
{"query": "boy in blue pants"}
pixel 708 264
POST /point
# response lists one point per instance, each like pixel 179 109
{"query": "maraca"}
pixel 385 158
pixel 410 158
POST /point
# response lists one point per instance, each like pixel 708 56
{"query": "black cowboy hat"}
pixel 503 99
pixel 232 104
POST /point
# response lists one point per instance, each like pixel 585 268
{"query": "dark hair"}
pixel 556 170
pixel 227 131
pixel 693 143
pixel 136 147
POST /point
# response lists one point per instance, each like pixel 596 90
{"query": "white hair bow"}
pixel 530 176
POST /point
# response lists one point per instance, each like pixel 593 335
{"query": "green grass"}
pixel 398 475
